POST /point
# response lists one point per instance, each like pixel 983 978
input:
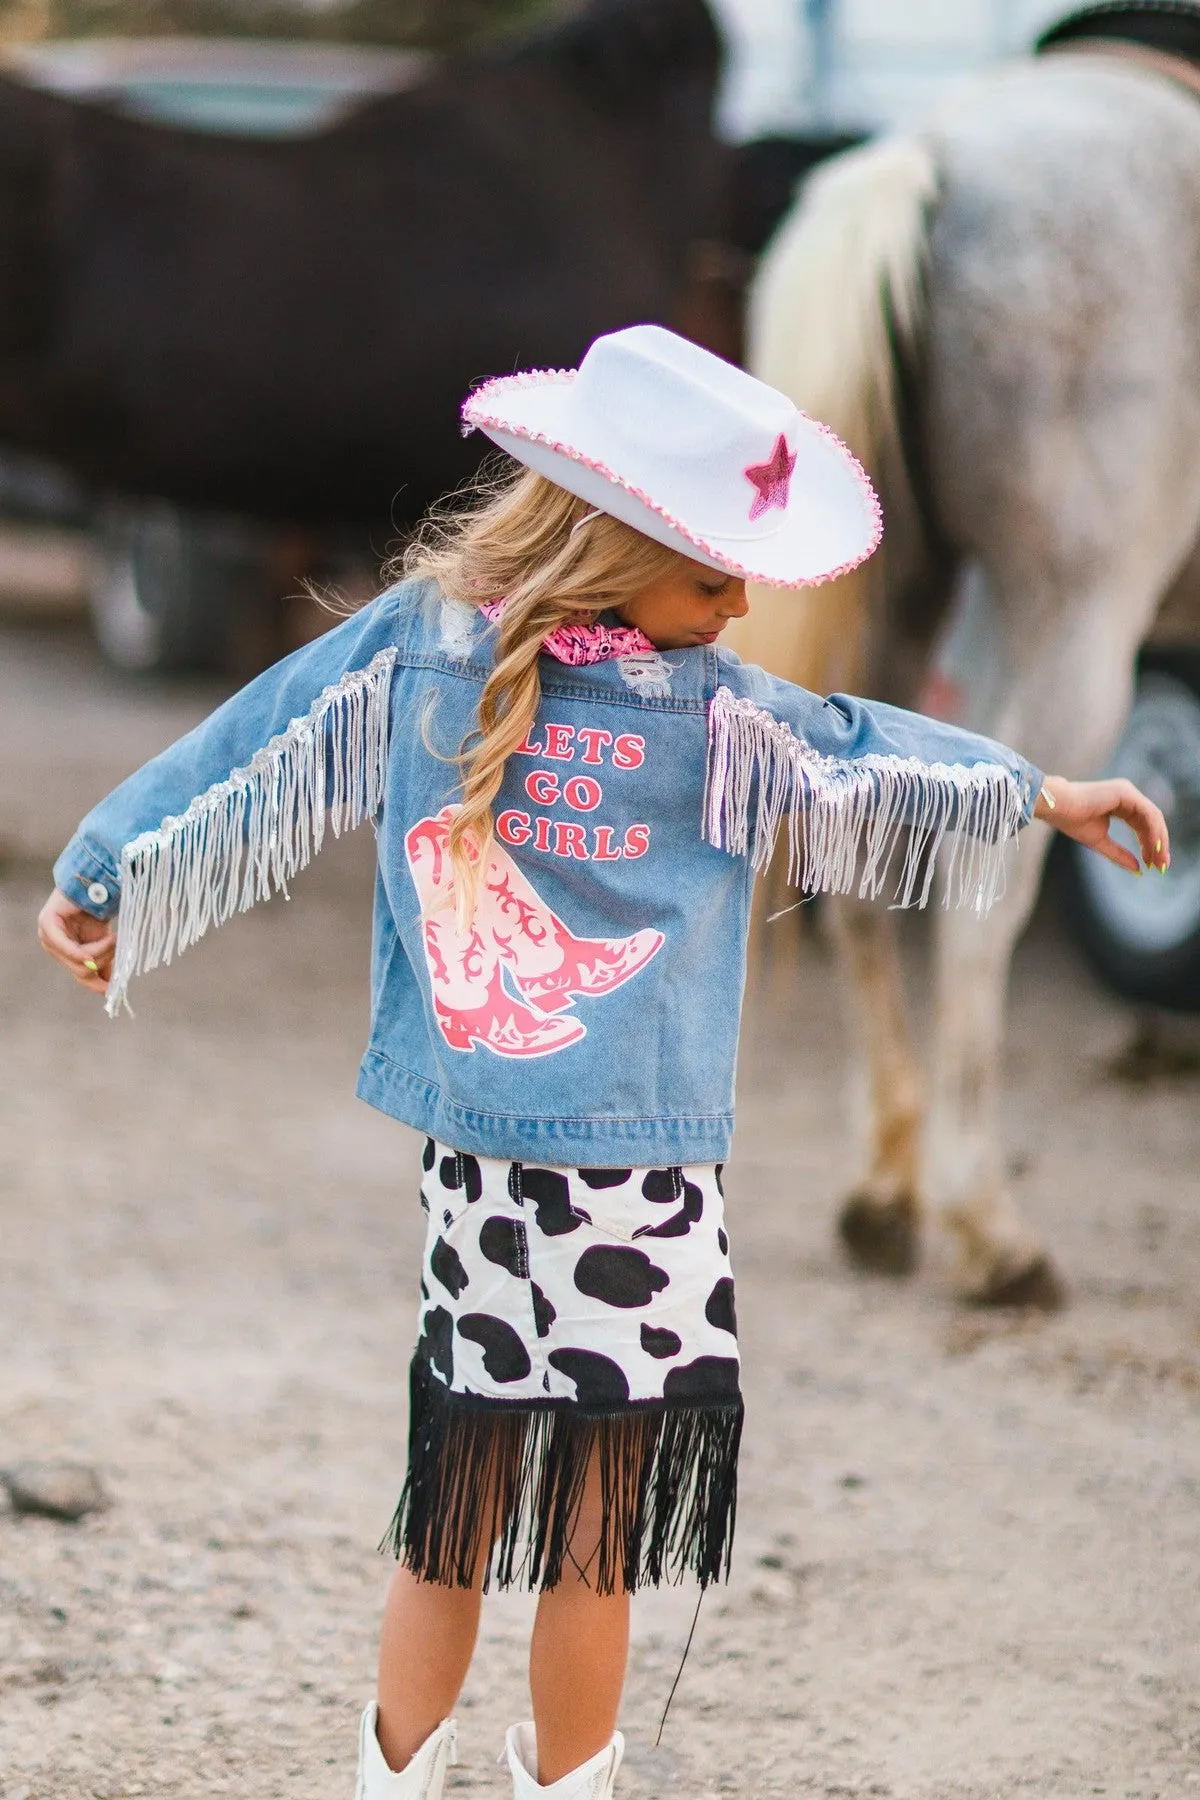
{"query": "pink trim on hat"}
pixel 474 419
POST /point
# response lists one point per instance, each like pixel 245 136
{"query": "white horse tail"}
pixel 838 292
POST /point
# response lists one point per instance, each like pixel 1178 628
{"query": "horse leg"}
pixel 1003 1261
pixel 880 1220
pixel 879 1223
pixel 1065 726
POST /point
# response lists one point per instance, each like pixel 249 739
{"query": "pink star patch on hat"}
pixel 772 479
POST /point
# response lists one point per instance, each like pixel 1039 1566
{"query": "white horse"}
pixel 1000 312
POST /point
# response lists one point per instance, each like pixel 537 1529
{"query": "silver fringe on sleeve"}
pixel 245 837
pixel 846 819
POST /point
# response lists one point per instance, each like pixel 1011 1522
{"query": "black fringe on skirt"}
pixel 513 1474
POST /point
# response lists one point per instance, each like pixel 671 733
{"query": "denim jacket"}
pixel 590 1013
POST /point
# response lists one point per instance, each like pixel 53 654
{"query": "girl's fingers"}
pixel 1148 822
pixel 1144 820
pixel 1117 853
pixel 1090 810
pixel 57 939
pixel 85 946
pixel 90 970
pixel 98 950
pixel 95 984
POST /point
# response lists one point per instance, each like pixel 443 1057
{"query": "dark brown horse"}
pixel 286 329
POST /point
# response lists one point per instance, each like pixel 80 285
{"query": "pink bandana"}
pixel 581 644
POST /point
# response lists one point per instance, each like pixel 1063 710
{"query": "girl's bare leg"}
pixel 577 1655
pixel 425 1650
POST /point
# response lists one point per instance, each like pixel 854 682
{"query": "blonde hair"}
pixel 529 542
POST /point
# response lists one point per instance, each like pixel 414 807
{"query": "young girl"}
pixel 572 785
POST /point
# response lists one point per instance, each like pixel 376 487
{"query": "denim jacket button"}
pixel 97 893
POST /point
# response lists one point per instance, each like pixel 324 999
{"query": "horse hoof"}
pixel 1038 1285
pixel 880 1235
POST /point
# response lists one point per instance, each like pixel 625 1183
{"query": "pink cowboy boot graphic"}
pixel 469 998
pixel 548 962
pixel 515 930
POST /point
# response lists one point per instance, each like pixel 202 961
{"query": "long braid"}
pixel 522 544
pixel 508 707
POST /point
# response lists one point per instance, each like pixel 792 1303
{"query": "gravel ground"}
pixel 968 1553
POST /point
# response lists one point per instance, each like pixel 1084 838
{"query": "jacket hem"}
pixel 609 1143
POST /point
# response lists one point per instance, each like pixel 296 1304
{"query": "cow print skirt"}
pixel 571 1318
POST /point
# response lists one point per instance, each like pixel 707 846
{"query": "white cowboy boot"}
pixel 592 1780
pixel 424 1777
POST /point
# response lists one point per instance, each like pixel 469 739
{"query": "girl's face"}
pixel 691 605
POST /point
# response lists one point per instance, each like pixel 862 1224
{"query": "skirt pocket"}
pixel 627 1204
pixel 451 1182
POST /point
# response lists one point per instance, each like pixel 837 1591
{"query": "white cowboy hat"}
pixel 690 451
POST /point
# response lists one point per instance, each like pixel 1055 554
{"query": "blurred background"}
pixel 180 588
pixel 251 255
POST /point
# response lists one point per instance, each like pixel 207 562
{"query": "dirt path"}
pixel 969 1549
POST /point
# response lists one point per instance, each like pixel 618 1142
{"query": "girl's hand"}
pixel 1084 810
pixel 79 942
